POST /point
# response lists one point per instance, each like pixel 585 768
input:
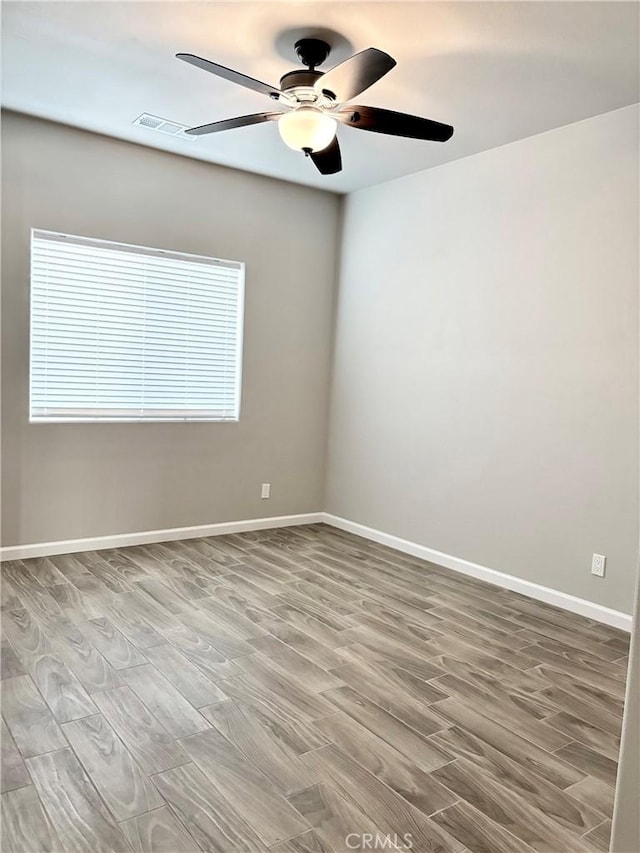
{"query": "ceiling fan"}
pixel 312 103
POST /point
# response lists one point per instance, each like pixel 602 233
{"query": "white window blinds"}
pixel 123 332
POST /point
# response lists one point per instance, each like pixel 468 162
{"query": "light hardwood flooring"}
pixel 293 691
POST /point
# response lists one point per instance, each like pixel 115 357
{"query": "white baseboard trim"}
pixel 542 593
pixel 121 540
pixel 589 609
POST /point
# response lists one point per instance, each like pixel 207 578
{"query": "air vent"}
pixel 163 125
pixel 169 127
pixel 149 121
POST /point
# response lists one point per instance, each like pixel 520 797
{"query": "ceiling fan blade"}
pixel 329 160
pixel 355 74
pixel 231 123
pixel 393 123
pixel 230 74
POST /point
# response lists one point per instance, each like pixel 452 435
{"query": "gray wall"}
pixel 485 391
pixel 77 480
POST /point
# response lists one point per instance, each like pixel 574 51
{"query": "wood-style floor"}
pixel 298 691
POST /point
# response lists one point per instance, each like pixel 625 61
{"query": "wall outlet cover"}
pixel 598 565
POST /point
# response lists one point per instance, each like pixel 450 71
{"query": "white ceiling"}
pixel 497 71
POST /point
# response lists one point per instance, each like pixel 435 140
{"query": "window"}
pixel 125 333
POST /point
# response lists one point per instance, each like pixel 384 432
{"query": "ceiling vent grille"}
pixel 163 125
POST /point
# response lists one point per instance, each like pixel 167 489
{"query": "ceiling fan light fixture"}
pixel 307 129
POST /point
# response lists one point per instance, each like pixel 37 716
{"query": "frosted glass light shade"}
pixel 307 128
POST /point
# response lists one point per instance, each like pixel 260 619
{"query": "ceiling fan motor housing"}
pixel 293 79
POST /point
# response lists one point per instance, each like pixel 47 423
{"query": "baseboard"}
pixel 589 609
pixel 121 540
pixel 542 593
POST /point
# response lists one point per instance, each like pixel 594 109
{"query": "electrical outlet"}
pixel 598 565
pixel 265 492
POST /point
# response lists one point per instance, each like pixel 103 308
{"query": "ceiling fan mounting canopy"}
pixel 312 52
pixel 312 103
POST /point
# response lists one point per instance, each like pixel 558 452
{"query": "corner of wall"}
pixel 334 323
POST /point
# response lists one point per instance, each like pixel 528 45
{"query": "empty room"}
pixel 320 450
